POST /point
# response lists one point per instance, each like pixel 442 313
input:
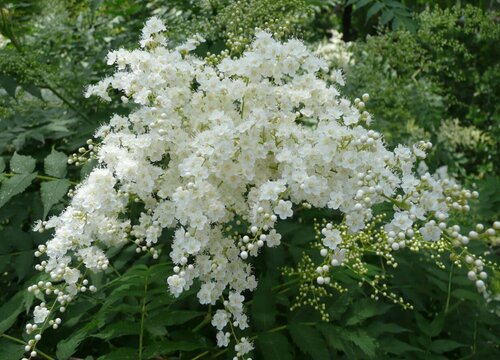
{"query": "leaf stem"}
pixel 143 312
pixel 205 320
pixel 449 290
pixel 41 177
pixel 19 341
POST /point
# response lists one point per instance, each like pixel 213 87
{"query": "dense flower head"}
pixel 243 141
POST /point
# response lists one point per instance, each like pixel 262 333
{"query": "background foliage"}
pixel 431 73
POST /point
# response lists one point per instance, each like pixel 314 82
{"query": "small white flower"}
pixel 284 209
pixel 430 232
pixel 40 313
pixel 176 284
pixel 332 238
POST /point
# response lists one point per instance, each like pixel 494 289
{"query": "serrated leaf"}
pixel 360 3
pixel 423 324
pixel 365 342
pixel 10 310
pixel 24 262
pixel 437 325
pixel 366 309
pixel 87 168
pixel 465 294
pixel 386 17
pixel 21 164
pixel 332 335
pixel 264 305
pixel 55 164
pixel 33 90
pixel 9 84
pixel 395 346
pixel 166 347
pixel 122 353
pixel 117 329
pixel 394 3
pixel 53 192
pixel 274 346
pixel 309 341
pixel 10 350
pixel 174 317
pixel 375 8
pixel 442 346
pixel 377 328
pixel 68 346
pixel 15 185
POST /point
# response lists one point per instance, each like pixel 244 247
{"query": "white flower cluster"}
pixel 337 53
pixel 209 146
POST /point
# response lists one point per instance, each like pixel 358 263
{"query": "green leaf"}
pixel 68 346
pixel 170 317
pixel 52 192
pixel 15 185
pixel 366 309
pixel 366 343
pixel 55 164
pixel 377 328
pixel 9 84
pixel 33 90
pixel 423 324
pixel 122 353
pixel 264 305
pixel 166 347
pixel 10 310
pixel 21 164
pixel 24 262
pixel 309 341
pixel 437 324
pixel 87 168
pixel 465 294
pixel 2 164
pixel 375 8
pixel 386 17
pixel 274 346
pixel 395 346
pixel 442 346
pixel 360 3
pixel 17 248
pixel 10 350
pixel 117 329
pixel 332 335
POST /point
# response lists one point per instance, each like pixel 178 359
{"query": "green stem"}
pixel 19 341
pixel 41 177
pixel 205 320
pixel 143 312
pixel 449 290
pixel 199 356
pixel 293 281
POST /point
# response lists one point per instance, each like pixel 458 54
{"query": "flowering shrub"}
pixel 219 153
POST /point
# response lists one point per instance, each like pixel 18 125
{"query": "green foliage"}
pixel 389 12
pixel 440 83
pixel 51 50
